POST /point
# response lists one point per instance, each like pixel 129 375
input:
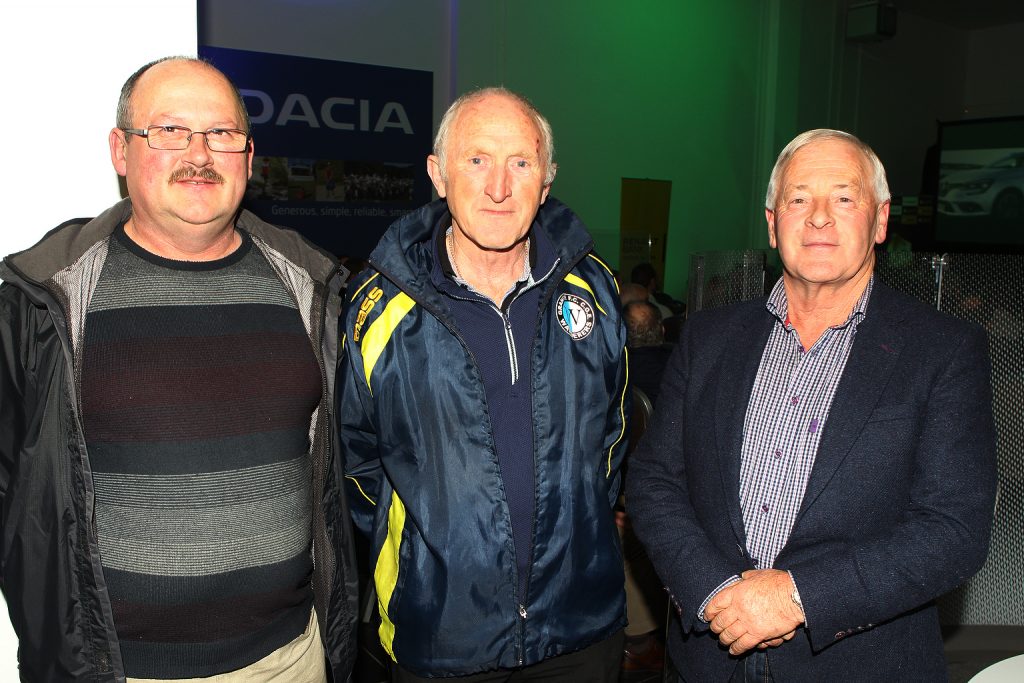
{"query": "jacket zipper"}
pixel 521 603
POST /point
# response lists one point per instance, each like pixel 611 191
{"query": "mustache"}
pixel 188 173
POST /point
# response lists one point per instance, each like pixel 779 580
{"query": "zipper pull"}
pixel 522 611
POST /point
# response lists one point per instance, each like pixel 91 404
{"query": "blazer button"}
pixel 840 635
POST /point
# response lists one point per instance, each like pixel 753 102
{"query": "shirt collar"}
pixel 778 304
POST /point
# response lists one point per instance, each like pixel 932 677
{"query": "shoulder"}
pixel 67 243
pixel 289 244
pixel 365 299
pixel 920 323
pixel 726 319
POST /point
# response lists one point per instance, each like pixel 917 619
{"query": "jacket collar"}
pixel 405 254
pixel 68 242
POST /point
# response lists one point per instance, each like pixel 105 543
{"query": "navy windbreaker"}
pixel 424 479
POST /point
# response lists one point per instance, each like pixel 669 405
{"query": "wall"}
pixel 994 83
pixel 65 62
pixel 895 90
pixel 665 90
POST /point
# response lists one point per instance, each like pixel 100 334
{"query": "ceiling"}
pixel 966 14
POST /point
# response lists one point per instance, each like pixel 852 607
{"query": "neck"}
pixel 200 245
pixel 813 308
pixel 490 272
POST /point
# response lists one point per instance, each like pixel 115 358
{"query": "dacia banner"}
pixel 340 148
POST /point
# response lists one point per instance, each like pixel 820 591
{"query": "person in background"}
pixel 648 352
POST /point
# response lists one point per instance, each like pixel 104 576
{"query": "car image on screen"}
pixel 996 190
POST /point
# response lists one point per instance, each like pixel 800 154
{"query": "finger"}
pixel 789 636
pixel 727 638
pixel 722 622
pixel 774 642
pixel 742 644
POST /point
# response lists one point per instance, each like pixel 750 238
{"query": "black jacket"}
pixel 49 558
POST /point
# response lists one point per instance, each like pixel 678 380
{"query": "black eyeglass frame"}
pixel 144 133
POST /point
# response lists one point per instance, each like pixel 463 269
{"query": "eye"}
pixel 475 161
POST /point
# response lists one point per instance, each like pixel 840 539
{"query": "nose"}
pixel 198 152
pixel 498 187
pixel 820 215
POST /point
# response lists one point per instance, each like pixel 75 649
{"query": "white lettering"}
pixel 266 105
pixel 384 120
pixel 298 109
pixel 327 115
pixel 288 113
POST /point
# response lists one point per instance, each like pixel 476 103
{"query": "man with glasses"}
pixel 168 471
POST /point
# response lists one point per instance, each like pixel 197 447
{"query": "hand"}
pixel 756 610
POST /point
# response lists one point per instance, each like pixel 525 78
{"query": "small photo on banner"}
pixel 339 148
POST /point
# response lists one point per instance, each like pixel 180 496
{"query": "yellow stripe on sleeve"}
pixel 579 282
pixel 622 414
pixel 363 286
pixel 385 574
pixel 611 274
pixel 376 338
pixel 358 486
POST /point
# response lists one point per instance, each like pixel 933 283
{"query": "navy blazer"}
pixel 897 510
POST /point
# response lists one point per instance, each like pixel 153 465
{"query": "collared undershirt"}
pixel 786 415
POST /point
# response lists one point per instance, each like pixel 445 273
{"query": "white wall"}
pixel 64 63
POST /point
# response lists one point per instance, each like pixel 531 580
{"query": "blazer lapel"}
pixel 875 350
pixel 738 370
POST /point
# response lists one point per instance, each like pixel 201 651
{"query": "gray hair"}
pixel 124 103
pixel 879 185
pixel 450 116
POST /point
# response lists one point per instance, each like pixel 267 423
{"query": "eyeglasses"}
pixel 179 137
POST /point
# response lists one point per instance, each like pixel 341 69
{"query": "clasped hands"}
pixel 757 611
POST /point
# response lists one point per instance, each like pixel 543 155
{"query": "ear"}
pixel 249 155
pixel 118 143
pixel 436 177
pixel 547 188
pixel 769 215
pixel 881 222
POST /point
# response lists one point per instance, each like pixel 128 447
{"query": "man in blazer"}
pixel 821 466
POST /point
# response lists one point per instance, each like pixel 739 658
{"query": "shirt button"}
pixel 778 453
pixel 764 507
pixel 794 400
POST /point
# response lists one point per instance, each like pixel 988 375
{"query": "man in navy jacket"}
pixel 483 417
pixel 821 466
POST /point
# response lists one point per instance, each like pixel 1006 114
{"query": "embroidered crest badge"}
pixel 575 315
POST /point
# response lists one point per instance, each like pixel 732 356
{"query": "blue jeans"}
pixel 753 669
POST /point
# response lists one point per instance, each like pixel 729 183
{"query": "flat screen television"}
pixel 979 200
